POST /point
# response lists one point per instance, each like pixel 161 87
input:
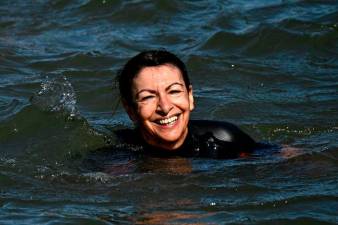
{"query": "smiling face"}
pixel 162 106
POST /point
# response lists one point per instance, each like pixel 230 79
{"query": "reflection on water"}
pixel 268 66
pixel 153 165
pixel 174 217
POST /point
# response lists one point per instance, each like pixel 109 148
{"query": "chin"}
pixel 171 142
pixel 166 137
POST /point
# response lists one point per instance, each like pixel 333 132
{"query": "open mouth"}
pixel 168 121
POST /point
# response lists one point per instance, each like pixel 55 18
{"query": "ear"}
pixel 130 110
pixel 191 98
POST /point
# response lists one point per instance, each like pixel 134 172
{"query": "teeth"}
pixel 168 121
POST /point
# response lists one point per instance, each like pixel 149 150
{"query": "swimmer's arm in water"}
pixel 287 151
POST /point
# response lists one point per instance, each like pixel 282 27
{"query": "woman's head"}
pixel 147 59
pixel 157 96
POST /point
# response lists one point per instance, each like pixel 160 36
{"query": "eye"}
pixel 174 92
pixel 148 97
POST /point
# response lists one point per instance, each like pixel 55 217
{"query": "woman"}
pixel 158 97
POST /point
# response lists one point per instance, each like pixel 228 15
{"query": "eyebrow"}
pixel 153 91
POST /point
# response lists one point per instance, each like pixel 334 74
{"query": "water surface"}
pixel 271 67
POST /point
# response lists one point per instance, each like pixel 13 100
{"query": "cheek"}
pixel 182 103
pixel 145 111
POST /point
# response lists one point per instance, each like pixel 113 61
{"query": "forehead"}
pixel 158 75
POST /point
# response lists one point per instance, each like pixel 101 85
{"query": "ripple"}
pixel 8 109
pixel 267 65
pixel 89 61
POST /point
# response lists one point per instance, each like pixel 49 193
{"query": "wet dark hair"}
pixel 146 59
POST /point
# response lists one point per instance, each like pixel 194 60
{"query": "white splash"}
pixel 56 95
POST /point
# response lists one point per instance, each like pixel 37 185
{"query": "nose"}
pixel 164 105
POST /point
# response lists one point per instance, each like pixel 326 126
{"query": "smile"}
pixel 168 121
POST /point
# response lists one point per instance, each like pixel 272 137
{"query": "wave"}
pixel 271 39
pixel 74 60
pixel 49 129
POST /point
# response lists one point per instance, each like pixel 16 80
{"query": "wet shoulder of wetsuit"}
pixel 218 139
pixel 126 148
pixel 128 136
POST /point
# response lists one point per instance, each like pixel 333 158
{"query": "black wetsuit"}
pixel 205 139
pixel 209 139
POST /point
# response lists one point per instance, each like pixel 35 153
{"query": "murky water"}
pixel 270 67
